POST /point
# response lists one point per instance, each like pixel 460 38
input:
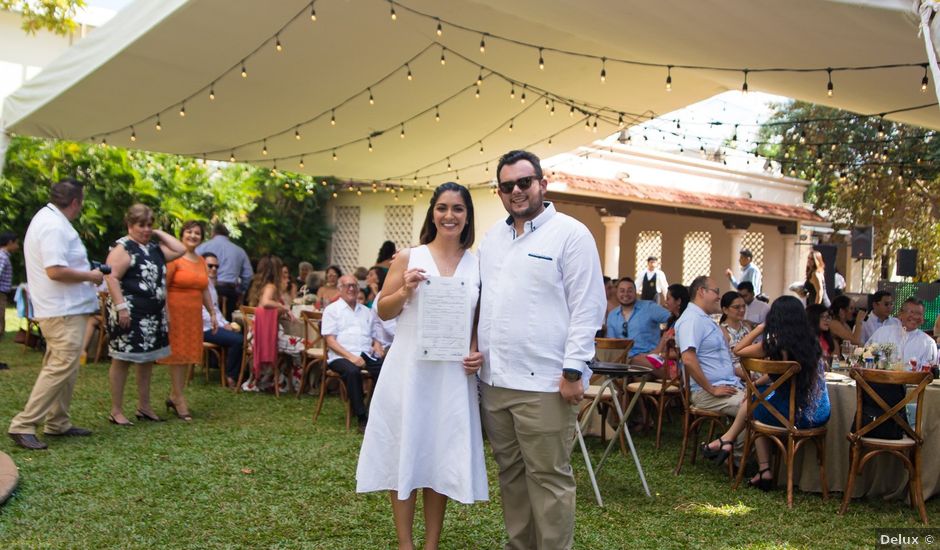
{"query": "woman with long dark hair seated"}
pixel 788 336
pixel 820 321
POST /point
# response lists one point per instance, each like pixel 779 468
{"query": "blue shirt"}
pixel 751 274
pixel 642 327
pixel 234 266
pixel 695 330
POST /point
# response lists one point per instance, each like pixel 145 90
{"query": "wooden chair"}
pixel 326 376
pixel 314 346
pixel 907 449
pixel 33 332
pixel 620 347
pixel 248 314
pixel 103 336
pixel 213 350
pixel 787 437
pixel 692 420
pixel 658 396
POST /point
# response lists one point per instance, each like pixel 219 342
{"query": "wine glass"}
pixel 847 349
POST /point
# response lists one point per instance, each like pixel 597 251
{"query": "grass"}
pixel 253 471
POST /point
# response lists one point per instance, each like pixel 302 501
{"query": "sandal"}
pixel 763 483
pixel 718 455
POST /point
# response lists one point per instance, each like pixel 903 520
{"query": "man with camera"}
pixel 62 288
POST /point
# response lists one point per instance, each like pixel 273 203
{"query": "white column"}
pixel 737 235
pixel 612 225
pixel 790 261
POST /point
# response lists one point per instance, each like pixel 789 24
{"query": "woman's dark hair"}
pixel 190 224
pixel 678 292
pixel 838 304
pixel 380 273
pixel 788 335
pixel 337 270
pixel 727 299
pixel 429 230
pixel 386 251
pixel 814 313
pixel 268 272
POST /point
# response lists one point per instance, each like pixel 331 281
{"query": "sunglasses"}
pixel 523 183
pixel 212 266
pixel 626 330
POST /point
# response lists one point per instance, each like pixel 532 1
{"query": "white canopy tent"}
pixel 156 58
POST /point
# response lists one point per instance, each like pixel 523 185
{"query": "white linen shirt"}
pixel 873 323
pixel 542 301
pixel 351 327
pixel 206 318
pixel 51 241
pixel 915 344
pixel 756 311
pixel 383 331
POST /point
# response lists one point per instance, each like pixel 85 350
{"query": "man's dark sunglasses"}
pixel 506 187
pixel 212 266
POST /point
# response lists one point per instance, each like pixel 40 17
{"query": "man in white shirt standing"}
pixel 749 272
pixel 347 329
pixel 882 306
pixel 542 302
pixel 63 290
pixel 910 342
pixel 652 282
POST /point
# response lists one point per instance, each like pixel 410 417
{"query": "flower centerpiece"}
pixel 875 356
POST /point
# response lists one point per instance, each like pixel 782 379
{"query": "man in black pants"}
pixel 347 328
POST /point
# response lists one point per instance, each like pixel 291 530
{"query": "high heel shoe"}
pixel 113 420
pixel 720 454
pixel 763 483
pixel 141 415
pixel 170 405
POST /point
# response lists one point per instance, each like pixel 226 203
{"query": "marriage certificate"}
pixel 444 319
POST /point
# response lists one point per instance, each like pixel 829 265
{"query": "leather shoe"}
pixel 28 441
pixel 73 431
pixel 4 366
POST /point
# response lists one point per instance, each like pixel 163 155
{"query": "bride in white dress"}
pixel 424 421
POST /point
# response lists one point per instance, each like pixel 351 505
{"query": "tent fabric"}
pixel 153 54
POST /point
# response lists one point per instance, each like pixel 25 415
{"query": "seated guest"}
pixel 677 299
pixel 788 336
pixel 360 274
pixel 637 320
pixel 303 269
pixel 882 306
pixel 266 296
pixel 227 336
pixel 610 289
pixel 328 291
pixel 910 342
pixel 347 329
pixel 756 310
pixel 290 287
pixel 842 312
pixel 375 280
pixel 733 325
pixel 704 352
pixel 819 321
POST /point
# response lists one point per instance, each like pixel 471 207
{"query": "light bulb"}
pixel 482 44
pixel 437 114
pixel 133 134
pixel 924 81
pixel 157 126
pixel 333 117
pixel 334 155
pixel 393 14
pixel 829 84
pixel 297 134
pixel 244 70
pixel 371 99
pixel 541 61
pixel 370 144
pixel 669 78
pixel 313 13
pixel 301 163
pixel 410 77
pixel 212 93
pixel 402 135
pixel 443 59
pixel 744 86
pixel 277 44
pixel 440 30
pixel 603 70
pixel 182 109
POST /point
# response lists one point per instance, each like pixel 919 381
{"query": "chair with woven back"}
pixel 611 350
pixel 248 314
pixel 209 351
pixel 787 437
pixel 864 447
pixel 102 327
pixel 692 420
pixel 33 332
pixel 314 346
pixel 659 394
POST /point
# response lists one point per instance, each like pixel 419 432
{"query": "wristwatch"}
pixel 571 375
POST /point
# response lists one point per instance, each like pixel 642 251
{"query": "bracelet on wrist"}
pixel 121 307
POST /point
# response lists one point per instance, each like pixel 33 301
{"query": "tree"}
pixel 864 171
pixel 57 16
pixel 277 213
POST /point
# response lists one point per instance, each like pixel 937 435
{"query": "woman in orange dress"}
pixel 187 283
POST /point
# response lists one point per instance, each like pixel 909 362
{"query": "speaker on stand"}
pixel 906 262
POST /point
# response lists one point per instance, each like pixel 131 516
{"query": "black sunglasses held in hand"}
pixel 524 183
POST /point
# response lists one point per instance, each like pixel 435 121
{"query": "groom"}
pixel 542 302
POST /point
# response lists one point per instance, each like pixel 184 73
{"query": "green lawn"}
pixel 176 485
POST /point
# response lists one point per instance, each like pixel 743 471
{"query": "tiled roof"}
pixel 665 196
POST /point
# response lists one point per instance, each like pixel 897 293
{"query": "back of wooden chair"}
pixel 623 345
pixel 785 372
pixel 248 318
pixel 102 325
pixel 314 345
pixel 863 380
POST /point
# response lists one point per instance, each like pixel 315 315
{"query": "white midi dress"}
pixel 424 419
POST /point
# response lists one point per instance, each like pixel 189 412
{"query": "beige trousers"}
pixel 52 392
pixel 532 434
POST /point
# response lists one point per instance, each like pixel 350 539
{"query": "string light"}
pixel 264 150
pixel 512 91
pixel 477 93
pixel 512 124
pixel 620 122
pixel 301 163
pixel 603 70
pixel 332 117
pixel 244 70
pixel 437 113
pixel 297 134
pixel 482 43
pixel 744 86
pixel 443 59
pixel 541 61
pixel 335 158
pixel 924 81
pixel 370 144
pixel 231 157
pixel 440 29
pixel 371 99
pixel 409 76
pixel 212 92
pixel 552 110
pixel 313 12
pixel 157 126
pixel 829 84
pixel 277 44
pixel 133 134
pixel 669 78
pixel 480 77
pixel 881 127
pixel 402 135
pixel 481 147
pixel 393 14
pixel 182 109
pixel 522 97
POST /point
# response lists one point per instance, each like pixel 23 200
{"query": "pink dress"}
pixel 264 348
